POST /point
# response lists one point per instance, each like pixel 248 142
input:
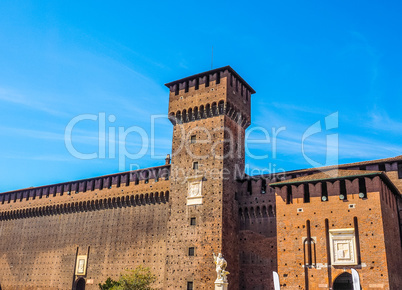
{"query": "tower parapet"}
pixel 208 94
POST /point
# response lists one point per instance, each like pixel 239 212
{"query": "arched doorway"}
pixel 343 282
pixel 79 284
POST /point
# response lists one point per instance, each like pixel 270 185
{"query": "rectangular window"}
pixel 263 186
pixel 195 165
pixel 249 187
pixel 400 170
pixel 190 286
pixel 324 191
pixel 192 221
pixel 193 139
pixel 343 193
pixel 191 251
pixel 362 188
pixel 306 196
pixel 289 194
pixel 381 167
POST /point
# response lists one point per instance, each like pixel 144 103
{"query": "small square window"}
pixel 190 286
pixel 191 251
pixel 195 165
pixel 192 221
pixel 193 139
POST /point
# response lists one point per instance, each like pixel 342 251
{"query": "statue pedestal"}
pixel 221 285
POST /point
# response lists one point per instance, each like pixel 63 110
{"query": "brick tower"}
pixel 210 112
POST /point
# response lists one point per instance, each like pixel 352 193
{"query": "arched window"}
pixel 208 110
pixel 252 214
pixel 184 116
pixel 270 211
pixel 196 117
pixel 214 109
pixel 202 112
pixel 172 118
pixel 178 117
pixel 264 212
pixel 190 115
pixel 246 216
pixel 257 212
pixel 221 107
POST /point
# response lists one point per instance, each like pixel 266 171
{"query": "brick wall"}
pixel 121 227
pixel 375 266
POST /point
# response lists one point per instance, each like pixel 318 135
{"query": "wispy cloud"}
pixel 380 120
pixel 12 96
pixel 299 108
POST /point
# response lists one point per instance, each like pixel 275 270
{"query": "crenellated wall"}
pixel 118 225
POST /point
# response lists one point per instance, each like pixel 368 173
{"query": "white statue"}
pixel 221 265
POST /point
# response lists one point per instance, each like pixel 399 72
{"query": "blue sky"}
pixel 305 59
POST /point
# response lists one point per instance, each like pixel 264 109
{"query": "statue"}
pixel 221 272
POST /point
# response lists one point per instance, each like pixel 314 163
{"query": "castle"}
pixel 311 226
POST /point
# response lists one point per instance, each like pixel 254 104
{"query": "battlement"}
pixel 205 78
pixel 330 185
pixel 140 176
pixel 213 93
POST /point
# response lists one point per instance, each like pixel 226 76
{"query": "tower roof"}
pixel 229 68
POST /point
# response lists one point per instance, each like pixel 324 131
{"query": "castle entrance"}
pixel 343 282
pixel 79 284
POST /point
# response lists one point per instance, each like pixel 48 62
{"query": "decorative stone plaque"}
pixel 194 195
pixel 81 266
pixel 343 246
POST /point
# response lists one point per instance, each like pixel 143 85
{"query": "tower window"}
pixel 218 78
pixel 197 83
pixel 207 81
pixel 195 165
pixel 192 221
pixel 381 167
pixel 191 251
pixel 193 139
pixel 176 89
pixel 190 286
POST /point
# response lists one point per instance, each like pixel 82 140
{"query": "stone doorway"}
pixel 79 284
pixel 343 282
